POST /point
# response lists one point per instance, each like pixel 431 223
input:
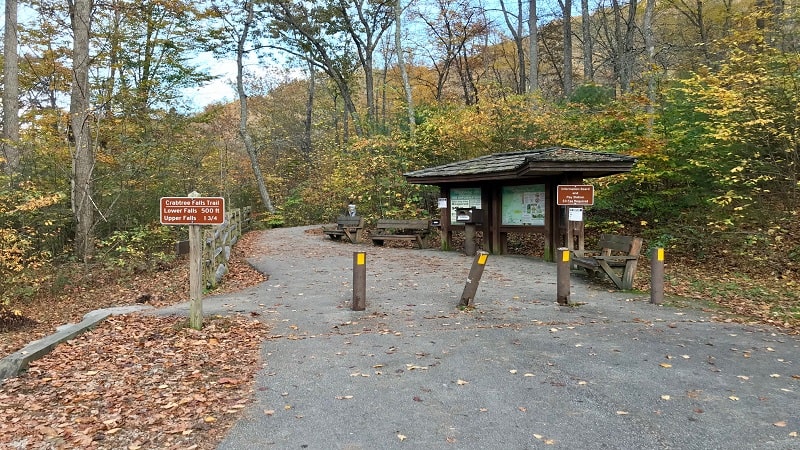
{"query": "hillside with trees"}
pixel 336 100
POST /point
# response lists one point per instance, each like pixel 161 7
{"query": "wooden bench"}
pixel 401 230
pixel 349 226
pixel 617 258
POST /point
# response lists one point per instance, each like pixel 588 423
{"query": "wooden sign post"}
pixel 194 211
pixel 575 195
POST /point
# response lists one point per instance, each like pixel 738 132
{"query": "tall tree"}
pixel 451 31
pixel 302 30
pixel 628 49
pixel 45 69
pixel 83 159
pixel 566 11
pixel 252 151
pixel 650 49
pixel 145 49
pixel 622 43
pixel 365 22
pixel 514 23
pixel 533 47
pixel 401 64
pixel 695 13
pixel 306 146
pixel 10 137
pixel 588 42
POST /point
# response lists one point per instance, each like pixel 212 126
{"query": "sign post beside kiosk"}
pixel 575 197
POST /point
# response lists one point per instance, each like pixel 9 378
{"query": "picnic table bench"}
pixel 401 230
pixel 617 258
pixel 349 226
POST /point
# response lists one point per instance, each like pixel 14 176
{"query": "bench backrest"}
pixel 397 224
pixel 349 221
pixel 628 245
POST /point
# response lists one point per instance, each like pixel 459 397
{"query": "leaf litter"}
pixel 135 381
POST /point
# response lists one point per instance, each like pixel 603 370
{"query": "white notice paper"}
pixel 576 214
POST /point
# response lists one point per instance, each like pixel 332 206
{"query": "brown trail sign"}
pixel 193 211
pixel 575 194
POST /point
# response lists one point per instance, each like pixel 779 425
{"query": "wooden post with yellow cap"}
pixel 562 275
pixel 657 276
pixel 359 281
pixel 473 279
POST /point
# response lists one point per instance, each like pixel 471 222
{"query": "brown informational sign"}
pixel 575 195
pixel 192 210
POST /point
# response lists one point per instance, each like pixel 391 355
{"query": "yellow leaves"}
pixel 41 202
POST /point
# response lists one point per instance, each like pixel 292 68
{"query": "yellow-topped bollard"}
pixel 562 275
pixel 657 276
pixel 359 281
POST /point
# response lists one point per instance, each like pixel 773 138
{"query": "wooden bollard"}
pixel 562 275
pixel 359 281
pixel 657 276
pixel 475 273
pixel 469 239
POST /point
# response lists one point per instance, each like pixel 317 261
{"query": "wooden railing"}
pixel 218 243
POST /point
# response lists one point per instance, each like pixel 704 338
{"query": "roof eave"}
pixel 529 172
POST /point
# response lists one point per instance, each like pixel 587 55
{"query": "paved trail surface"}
pixel 517 372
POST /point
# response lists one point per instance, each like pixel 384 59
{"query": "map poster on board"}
pixel 523 205
pixel 463 198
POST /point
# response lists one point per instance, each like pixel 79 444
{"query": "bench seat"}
pixel 348 226
pixel 401 230
pixel 618 257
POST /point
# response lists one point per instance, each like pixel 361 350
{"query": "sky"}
pixel 220 90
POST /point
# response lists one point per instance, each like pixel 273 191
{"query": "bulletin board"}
pixel 463 198
pixel 523 205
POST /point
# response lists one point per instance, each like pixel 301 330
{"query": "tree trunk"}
pixel 515 28
pixel 10 141
pixel 629 58
pixel 306 145
pixel 533 48
pixel 566 8
pixel 401 64
pixel 652 72
pixel 243 133
pixel 83 156
pixel 588 43
pixel 618 47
